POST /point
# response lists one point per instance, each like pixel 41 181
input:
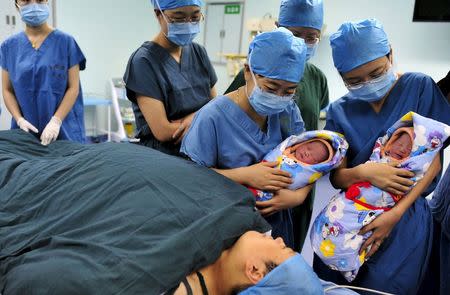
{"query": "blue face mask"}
pixel 311 50
pixel 182 34
pixel 35 14
pixel 374 90
pixel 266 103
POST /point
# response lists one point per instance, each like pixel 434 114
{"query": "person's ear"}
pixel 254 271
pixel 391 57
pixel 247 74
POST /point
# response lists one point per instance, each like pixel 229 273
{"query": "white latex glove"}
pixel 51 131
pixel 26 126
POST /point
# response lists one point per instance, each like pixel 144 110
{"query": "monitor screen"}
pixel 432 11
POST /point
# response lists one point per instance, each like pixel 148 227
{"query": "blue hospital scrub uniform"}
pixel 223 136
pixel 401 262
pixel 182 87
pixel 39 78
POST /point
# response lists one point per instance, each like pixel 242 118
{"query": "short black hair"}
pixel 270 265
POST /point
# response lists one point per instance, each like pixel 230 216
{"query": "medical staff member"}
pixel 233 132
pixel 40 77
pixel 304 18
pixel 170 78
pixel 377 97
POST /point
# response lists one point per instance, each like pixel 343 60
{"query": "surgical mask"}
pixel 180 34
pixel 311 50
pixel 374 90
pixel 265 103
pixel 35 14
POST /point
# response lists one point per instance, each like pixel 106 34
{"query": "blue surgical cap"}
pixel 357 43
pixel 301 13
pixel 294 276
pixel 172 4
pixel 278 55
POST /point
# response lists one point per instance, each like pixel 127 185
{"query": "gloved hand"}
pixel 51 131
pixel 26 126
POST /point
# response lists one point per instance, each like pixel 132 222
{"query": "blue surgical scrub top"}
pixel 402 260
pixel 223 136
pixel 40 77
pixel 182 87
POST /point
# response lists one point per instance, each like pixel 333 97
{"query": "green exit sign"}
pixel 233 9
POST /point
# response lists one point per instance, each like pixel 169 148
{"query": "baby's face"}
pixel 312 152
pixel 400 148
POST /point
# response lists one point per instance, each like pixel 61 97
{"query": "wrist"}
pixel 361 175
pixel 56 120
pixel 19 120
pixel 397 211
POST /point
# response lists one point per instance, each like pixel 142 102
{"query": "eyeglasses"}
pixel 311 40
pixel 26 2
pixel 375 78
pixel 193 19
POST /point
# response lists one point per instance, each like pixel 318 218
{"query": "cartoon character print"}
pixel 333 229
pixel 366 217
pixel 262 196
pixel 290 165
pixel 435 139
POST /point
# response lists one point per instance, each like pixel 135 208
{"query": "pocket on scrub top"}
pixel 58 78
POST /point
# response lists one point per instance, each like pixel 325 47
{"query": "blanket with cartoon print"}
pixel 304 174
pixel 334 234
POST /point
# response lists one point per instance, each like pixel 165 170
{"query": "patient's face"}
pixel 312 152
pixel 401 147
pixel 264 246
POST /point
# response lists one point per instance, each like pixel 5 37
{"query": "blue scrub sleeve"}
pixel 297 124
pixel 3 56
pixel 76 56
pixel 209 67
pixel 200 143
pixel 142 78
pixel 330 123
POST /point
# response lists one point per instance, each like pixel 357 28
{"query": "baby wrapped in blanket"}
pixel 414 141
pixel 307 157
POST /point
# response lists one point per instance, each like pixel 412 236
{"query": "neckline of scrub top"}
pixel 234 111
pixel 43 44
pixel 165 53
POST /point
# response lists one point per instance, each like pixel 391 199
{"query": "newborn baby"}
pixel 400 144
pixel 313 151
pixel 413 141
pixel 307 157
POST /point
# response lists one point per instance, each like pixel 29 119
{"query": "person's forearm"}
pixel 11 104
pixel 407 200
pixel 343 178
pixel 302 193
pixel 67 103
pixel 234 174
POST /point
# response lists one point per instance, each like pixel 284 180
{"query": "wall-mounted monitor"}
pixel 432 11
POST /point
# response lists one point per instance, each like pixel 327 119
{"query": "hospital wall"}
pixel 108 31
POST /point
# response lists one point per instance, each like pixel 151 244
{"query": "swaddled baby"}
pixel 413 141
pixel 307 157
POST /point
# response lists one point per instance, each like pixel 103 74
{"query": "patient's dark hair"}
pixel 270 265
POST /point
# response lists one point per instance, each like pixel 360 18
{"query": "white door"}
pixel 223 29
